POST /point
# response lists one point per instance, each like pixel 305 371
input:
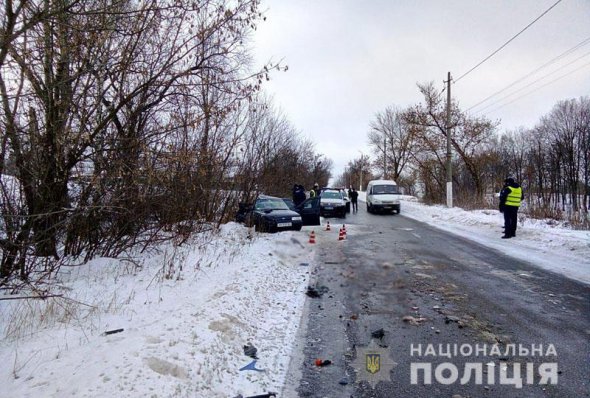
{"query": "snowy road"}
pixel 445 304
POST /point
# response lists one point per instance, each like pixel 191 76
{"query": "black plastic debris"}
pixel 250 350
pixel 343 381
pixel 378 334
pixel 267 395
pixel 112 331
pixel 316 292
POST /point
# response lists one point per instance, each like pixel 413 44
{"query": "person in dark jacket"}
pixel 299 195
pixel 354 195
pixel 510 198
pixel 503 206
pixel 294 193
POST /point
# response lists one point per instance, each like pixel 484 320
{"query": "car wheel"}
pixel 260 227
pixel 369 210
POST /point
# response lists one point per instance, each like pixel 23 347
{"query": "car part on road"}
pixel 250 350
pixel 251 366
pixel 325 362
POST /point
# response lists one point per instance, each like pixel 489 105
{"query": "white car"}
pixel 332 203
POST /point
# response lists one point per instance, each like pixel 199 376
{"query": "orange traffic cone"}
pixel 312 237
pixel 328 226
pixel 341 234
pixel 344 228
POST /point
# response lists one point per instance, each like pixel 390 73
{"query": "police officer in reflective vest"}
pixel 315 191
pixel 510 198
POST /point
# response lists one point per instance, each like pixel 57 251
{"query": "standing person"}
pixel 294 193
pixel 510 198
pixel 354 195
pixel 315 191
pixel 503 206
pixel 299 195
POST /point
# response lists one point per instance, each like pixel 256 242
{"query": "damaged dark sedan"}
pixel 272 214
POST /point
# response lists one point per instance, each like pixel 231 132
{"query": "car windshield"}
pixel 271 204
pixel 385 189
pixel 331 195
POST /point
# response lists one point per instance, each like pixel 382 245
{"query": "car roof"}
pixel 268 197
pixel 382 182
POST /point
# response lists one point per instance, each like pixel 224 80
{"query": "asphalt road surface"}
pixel 467 314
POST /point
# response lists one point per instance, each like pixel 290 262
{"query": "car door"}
pixel 310 211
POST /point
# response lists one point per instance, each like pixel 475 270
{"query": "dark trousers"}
pixel 510 220
pixel 355 206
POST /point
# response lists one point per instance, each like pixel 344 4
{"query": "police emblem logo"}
pixel 373 362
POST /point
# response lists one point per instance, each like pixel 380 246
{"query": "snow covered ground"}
pixel 187 312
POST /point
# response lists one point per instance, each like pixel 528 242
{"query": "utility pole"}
pixel 361 167
pixel 361 181
pixel 448 131
pixel 384 156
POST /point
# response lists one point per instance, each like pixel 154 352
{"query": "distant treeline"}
pixel 551 160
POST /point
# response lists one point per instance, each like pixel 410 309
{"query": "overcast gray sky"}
pixel 349 59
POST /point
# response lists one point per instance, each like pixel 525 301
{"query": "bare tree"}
pixel 568 125
pixel 109 106
pixel 392 138
pixel 468 136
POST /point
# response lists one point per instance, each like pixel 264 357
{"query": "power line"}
pixel 505 44
pixel 574 48
pixel 531 83
pixel 540 87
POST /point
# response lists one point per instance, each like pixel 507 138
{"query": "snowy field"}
pixel 187 312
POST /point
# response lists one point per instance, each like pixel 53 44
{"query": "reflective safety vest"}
pixel 513 198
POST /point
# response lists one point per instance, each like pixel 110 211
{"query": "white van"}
pixel 383 195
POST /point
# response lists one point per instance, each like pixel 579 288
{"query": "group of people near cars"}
pixel 299 195
pixel 510 199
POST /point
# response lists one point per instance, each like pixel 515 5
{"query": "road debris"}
pixel 322 362
pixel 378 334
pixel 250 350
pixel 316 292
pixel 415 321
pixel 251 366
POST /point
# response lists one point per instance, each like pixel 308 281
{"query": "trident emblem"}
pixel 373 363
